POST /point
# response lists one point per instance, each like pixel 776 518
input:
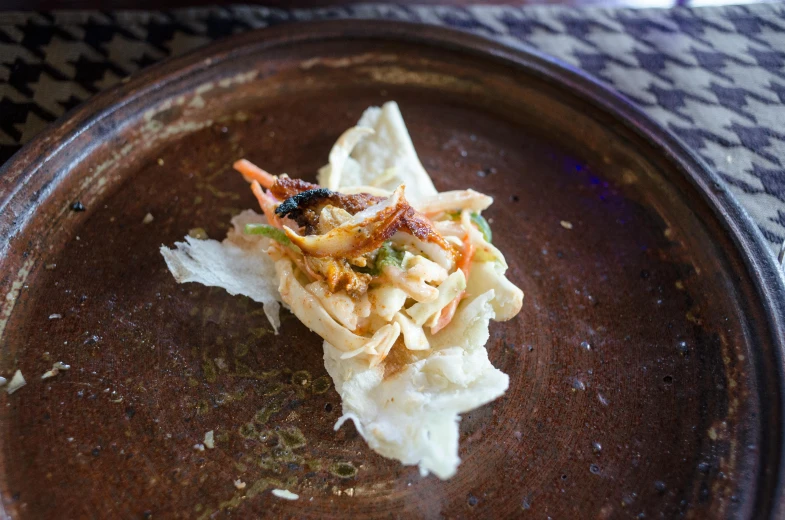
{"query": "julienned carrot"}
pixel 465 265
pixel 251 172
pixel 267 203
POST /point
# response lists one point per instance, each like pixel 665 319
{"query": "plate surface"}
pixel 645 366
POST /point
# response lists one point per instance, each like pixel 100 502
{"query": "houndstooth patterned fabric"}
pixel 713 76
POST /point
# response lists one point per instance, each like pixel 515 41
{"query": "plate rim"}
pixel 759 261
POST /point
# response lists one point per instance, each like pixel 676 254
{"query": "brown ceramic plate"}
pixel 645 367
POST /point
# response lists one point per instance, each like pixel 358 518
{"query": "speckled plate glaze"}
pixel 645 367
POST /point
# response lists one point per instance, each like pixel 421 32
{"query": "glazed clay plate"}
pixel 645 366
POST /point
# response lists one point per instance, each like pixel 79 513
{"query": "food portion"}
pixel 399 280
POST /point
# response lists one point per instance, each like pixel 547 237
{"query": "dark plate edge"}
pixel 760 262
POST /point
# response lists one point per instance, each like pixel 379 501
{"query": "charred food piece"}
pixel 303 202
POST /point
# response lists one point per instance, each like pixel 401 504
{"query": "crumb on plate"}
pixel 285 494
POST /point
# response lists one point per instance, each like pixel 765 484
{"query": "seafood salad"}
pixel 399 280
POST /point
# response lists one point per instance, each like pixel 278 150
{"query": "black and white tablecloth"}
pixel 714 76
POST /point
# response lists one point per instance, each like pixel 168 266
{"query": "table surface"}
pixel 48 5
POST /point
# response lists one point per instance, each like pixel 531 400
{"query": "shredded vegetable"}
pixel 270 232
pixel 464 265
pixel 478 220
pixel 388 256
pixel 483 226
pixel 251 172
pixel 267 202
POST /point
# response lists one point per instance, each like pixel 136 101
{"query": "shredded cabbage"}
pixel 448 290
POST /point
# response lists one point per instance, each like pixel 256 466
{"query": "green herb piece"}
pixel 483 226
pixel 388 256
pixel 269 231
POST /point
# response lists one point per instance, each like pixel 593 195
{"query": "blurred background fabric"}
pixel 714 76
